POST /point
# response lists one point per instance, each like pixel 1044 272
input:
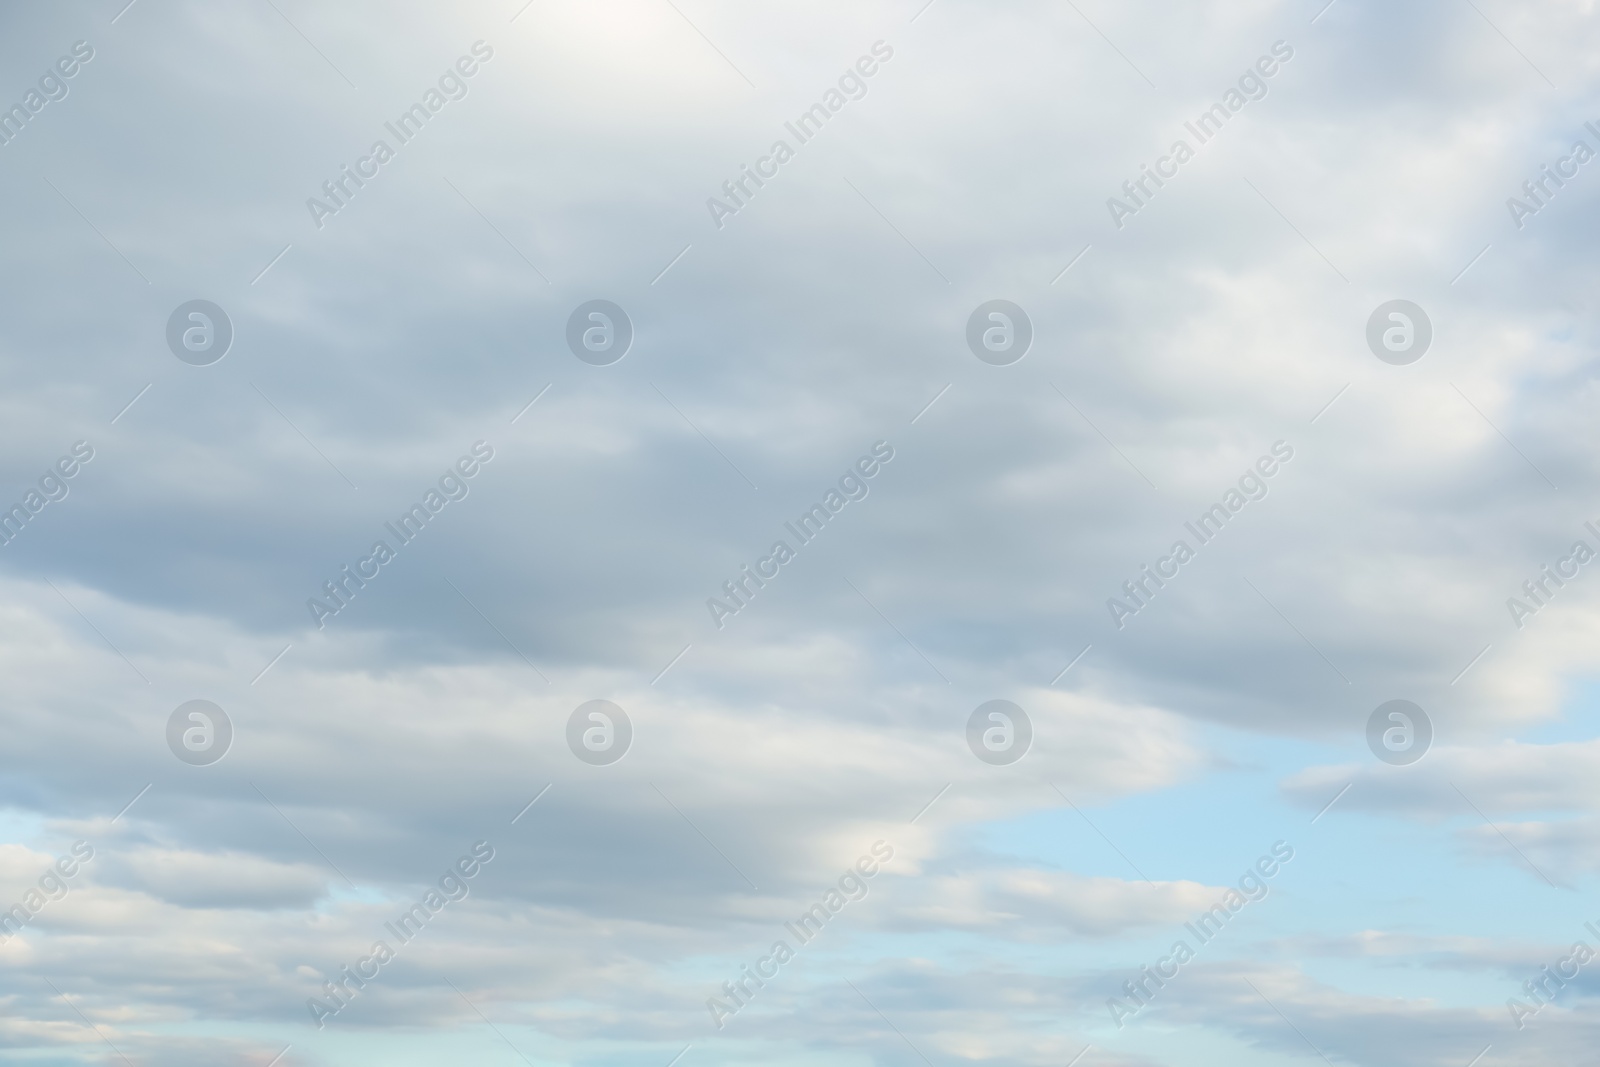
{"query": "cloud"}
pixel 825 316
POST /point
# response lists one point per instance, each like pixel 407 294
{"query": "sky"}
pixel 480 571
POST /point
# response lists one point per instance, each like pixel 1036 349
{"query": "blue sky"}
pixel 428 318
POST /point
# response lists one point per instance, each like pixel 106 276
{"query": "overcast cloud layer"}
pixel 193 496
